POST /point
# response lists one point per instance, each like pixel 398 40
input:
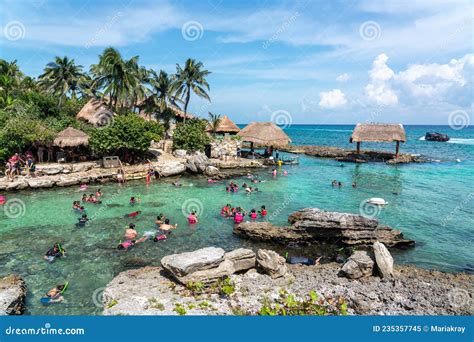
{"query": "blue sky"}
pixel 325 62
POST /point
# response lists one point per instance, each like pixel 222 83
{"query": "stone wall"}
pixel 225 147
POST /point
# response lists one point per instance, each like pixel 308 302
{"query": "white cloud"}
pixel 379 89
pixel 343 77
pixel 332 99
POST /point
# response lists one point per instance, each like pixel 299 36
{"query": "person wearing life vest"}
pixel 263 211
pixel 130 243
pixel 238 216
pixel 253 214
pixel 192 218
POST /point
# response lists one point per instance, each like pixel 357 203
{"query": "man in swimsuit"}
pixel 167 227
pixel 55 252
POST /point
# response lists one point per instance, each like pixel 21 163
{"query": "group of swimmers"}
pixel 233 187
pixel 239 213
pixel 338 184
pixel 91 198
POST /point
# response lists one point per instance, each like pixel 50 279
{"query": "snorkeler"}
pixel 56 252
pixel 82 220
pixel 134 214
pixel 55 295
pixel 130 243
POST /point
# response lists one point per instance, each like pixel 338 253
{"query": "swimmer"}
pixel 98 193
pixel 226 211
pixel 274 172
pixel 56 252
pixel 159 219
pixel 192 218
pixel 167 227
pixel 130 243
pixel 212 181
pixel 354 184
pixel 253 214
pixel 76 205
pixel 339 184
pixel 263 211
pixel 177 184
pixel 83 187
pixel 134 200
pixel 84 198
pixel 130 232
pixel 134 214
pixel 334 183
pixel 82 220
pixel 285 173
pixel 55 294
pixel 238 216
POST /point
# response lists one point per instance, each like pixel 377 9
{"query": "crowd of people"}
pixel 16 163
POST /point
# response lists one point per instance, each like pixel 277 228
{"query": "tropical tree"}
pixel 214 121
pixel 191 78
pixel 120 80
pixel 61 78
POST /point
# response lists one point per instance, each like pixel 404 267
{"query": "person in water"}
pixel 177 184
pixel 76 205
pixel 55 252
pixel 98 193
pixel 192 218
pixel 160 219
pixel 226 211
pixel 55 295
pixel 130 232
pixel 274 172
pixel 263 211
pixel 134 200
pixel 84 198
pixel 82 220
pixel 167 227
pixel 339 184
pixel 238 216
pixel 334 182
pixel 134 214
pixel 253 214
pixel 130 243
pixel 354 185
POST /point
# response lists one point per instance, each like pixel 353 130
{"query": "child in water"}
pixel 55 294
pixel 263 211
pixel 134 200
pixel 82 220
pixel 192 218
pixel 238 216
pixel 253 214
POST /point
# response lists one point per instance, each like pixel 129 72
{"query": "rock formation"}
pixel 359 265
pixel 12 295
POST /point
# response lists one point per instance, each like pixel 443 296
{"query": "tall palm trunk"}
pixel 188 96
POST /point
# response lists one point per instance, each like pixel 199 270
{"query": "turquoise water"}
pixel 431 203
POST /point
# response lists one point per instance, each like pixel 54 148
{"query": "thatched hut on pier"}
pixel 379 133
pixel 225 126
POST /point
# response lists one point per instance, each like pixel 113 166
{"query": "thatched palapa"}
pixel 71 137
pixel 378 133
pixel 96 113
pixel 264 134
pixel 225 125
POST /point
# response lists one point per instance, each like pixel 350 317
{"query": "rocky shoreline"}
pixel 264 283
pixel 345 155
pixel 12 295
pixel 64 175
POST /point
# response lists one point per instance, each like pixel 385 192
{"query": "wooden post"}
pixel 397 149
pixel 358 147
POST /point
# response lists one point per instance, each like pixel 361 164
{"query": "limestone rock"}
pixel 243 259
pixel 50 170
pixel 19 184
pixel 197 163
pixel 359 265
pixel 271 263
pixel 40 183
pixel 172 168
pixel 12 295
pixel 383 259
pixel 62 181
pixel 186 263
pixel 180 153
pixel 212 171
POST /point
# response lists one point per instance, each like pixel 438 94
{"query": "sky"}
pixel 291 62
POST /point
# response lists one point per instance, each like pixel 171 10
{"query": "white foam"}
pixel 461 141
pixel 422 138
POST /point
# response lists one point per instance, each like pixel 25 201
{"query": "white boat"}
pixel 377 201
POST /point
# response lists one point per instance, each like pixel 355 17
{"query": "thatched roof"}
pixel 264 134
pixel 96 113
pixel 378 133
pixel 225 125
pixel 71 137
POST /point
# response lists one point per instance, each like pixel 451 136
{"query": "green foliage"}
pixel 226 287
pixel 112 303
pixel 289 305
pixel 179 309
pixel 196 287
pixel 20 133
pixel 191 136
pixel 125 131
pixel 155 304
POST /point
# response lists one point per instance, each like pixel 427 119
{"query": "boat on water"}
pixel 435 136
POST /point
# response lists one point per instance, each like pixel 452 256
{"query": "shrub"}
pixel 191 136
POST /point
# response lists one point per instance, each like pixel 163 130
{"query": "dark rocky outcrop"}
pixel 313 225
pixel 12 295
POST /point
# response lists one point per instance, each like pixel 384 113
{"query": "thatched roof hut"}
pixel 96 113
pixel 71 137
pixel 264 134
pixel 378 133
pixel 225 125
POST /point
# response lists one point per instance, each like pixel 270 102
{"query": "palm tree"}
pixel 214 121
pixel 119 79
pixel 61 78
pixel 190 78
